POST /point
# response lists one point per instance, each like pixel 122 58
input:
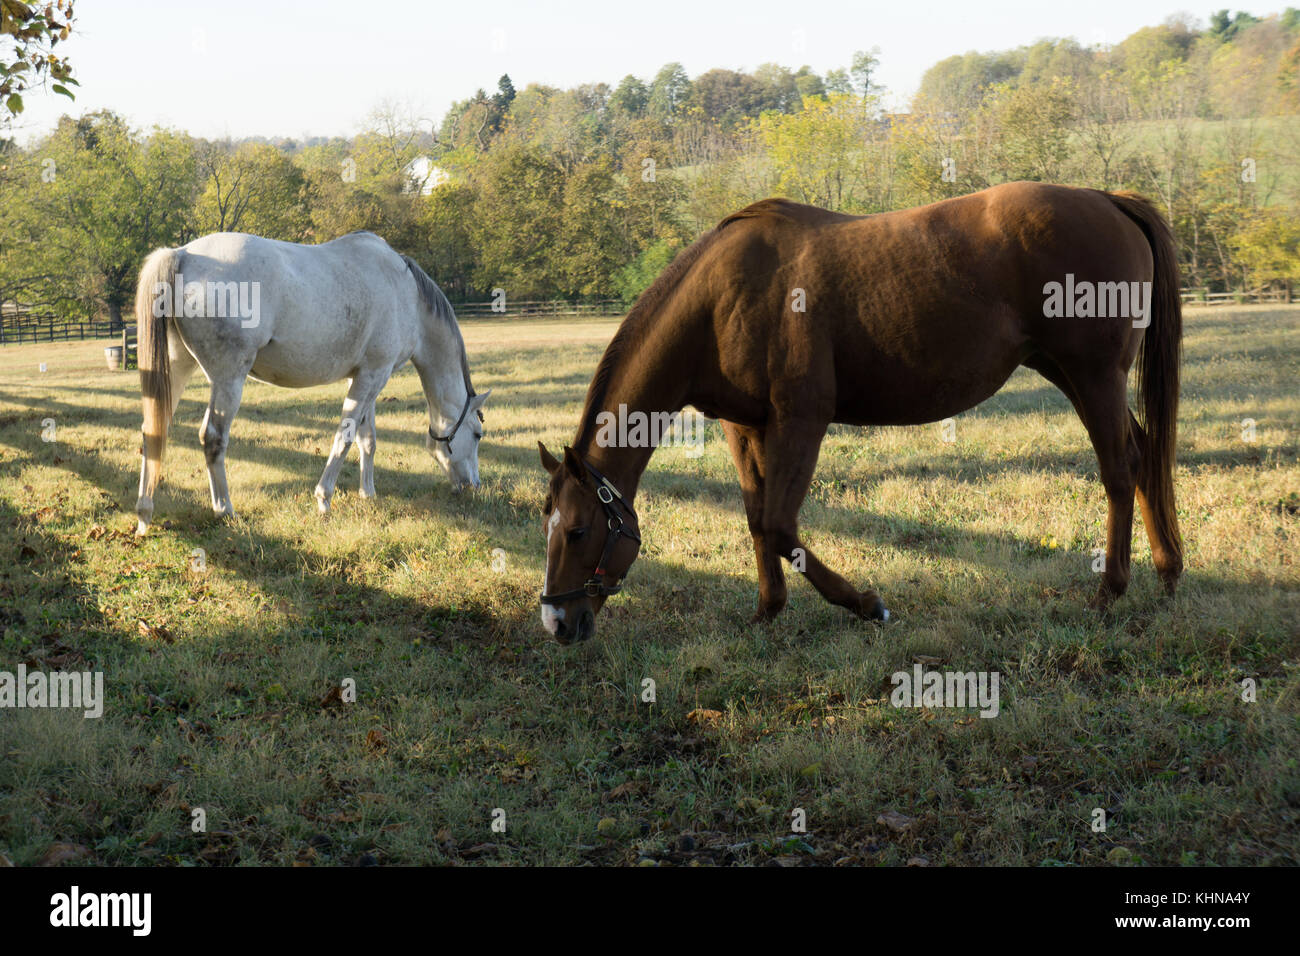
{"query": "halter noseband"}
pixel 455 428
pixel 596 585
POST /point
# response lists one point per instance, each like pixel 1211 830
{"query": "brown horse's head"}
pixel 592 539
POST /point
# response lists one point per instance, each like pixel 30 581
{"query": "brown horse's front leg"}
pixel 747 451
pixel 793 446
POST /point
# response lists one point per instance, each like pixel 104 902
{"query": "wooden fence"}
pixel 1202 297
pixel 18 327
pixel 552 307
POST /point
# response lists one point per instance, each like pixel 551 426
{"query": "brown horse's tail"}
pixel 153 303
pixel 1158 362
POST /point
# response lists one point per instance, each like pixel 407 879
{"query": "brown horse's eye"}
pixel 576 533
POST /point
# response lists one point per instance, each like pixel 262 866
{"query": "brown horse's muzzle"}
pixel 578 628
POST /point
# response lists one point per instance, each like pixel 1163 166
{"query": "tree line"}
pixel 589 192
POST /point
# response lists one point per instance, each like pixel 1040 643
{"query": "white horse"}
pixel 237 305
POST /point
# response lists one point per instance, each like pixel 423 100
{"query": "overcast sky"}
pixel 278 68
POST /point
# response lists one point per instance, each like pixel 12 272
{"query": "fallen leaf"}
pixel 62 852
pixel 896 821
pixel 156 633
pixel 624 790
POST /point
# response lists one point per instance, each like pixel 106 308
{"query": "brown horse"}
pixel 786 318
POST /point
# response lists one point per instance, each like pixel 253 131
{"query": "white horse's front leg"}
pixel 366 441
pixel 223 404
pixel 360 401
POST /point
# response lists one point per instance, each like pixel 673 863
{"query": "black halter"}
pixel 455 428
pixel 610 501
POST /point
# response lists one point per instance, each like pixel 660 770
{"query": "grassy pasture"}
pixel 982 549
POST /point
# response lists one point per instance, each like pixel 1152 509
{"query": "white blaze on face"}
pixel 551 616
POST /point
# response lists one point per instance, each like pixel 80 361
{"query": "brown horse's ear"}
pixel 573 464
pixel 549 461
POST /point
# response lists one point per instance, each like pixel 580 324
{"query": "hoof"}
pixel 871 607
pixel 767 613
pixel 1103 599
pixel 144 514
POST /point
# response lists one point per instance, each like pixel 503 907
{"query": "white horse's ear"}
pixel 478 400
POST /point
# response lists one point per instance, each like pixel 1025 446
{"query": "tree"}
pixel 631 97
pixel 592 246
pixel 821 153
pixel 808 83
pixel 959 83
pixel 447 250
pixel 726 96
pixel 516 216
pixel 1268 248
pixel 1103 108
pixel 778 90
pixel 838 81
pixel 254 188
pixel 864 65
pixel 501 100
pixel 28 36
pixel 106 198
pixel 1035 122
pixel 669 92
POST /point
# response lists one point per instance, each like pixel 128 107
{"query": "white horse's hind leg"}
pixel 183 367
pixel 357 407
pixel 366 441
pixel 215 436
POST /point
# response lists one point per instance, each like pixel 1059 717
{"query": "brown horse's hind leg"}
pixel 792 446
pixel 1166 554
pixel 747 450
pixel 1104 408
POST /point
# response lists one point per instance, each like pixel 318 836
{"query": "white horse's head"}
pixel 455 445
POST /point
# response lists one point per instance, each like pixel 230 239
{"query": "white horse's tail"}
pixel 153 301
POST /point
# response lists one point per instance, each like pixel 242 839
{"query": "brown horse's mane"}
pixel 631 331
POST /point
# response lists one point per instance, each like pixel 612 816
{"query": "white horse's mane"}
pixel 440 306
